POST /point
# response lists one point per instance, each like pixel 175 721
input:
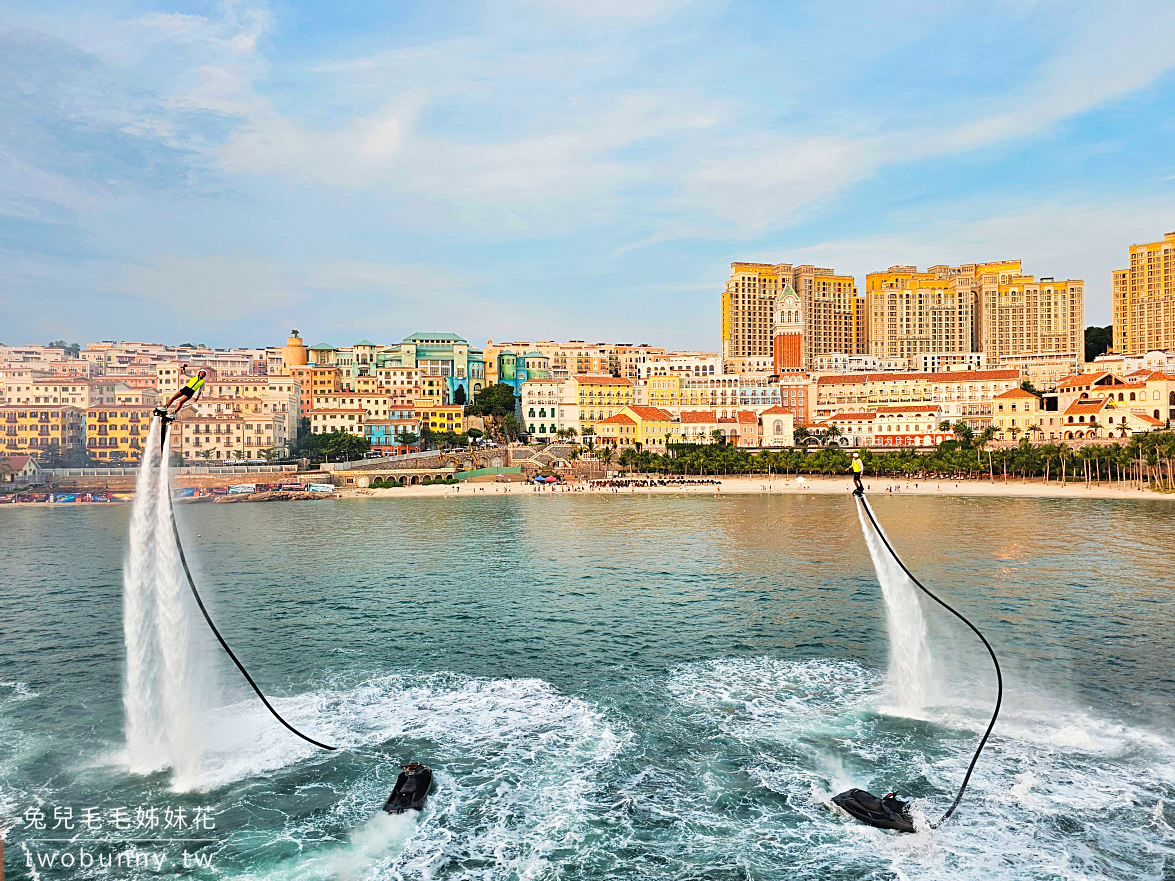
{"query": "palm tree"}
pixel 717 436
pixel 964 433
pixel 833 432
pixel 606 455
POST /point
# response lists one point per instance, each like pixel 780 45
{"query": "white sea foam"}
pixel 531 764
pixel 1032 795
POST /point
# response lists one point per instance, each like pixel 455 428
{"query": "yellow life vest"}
pixel 195 383
pixel 858 467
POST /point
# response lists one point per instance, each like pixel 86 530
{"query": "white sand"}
pixel 743 485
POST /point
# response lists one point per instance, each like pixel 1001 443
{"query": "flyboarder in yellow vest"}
pixel 857 467
pixel 193 387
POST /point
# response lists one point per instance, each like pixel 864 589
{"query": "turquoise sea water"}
pixel 614 687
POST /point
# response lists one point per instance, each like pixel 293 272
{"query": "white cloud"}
pixel 197 287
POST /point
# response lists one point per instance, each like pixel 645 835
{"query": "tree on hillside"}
pixel 1027 386
pixel 510 423
pixel 495 400
pixel 344 445
pixel 1098 341
pixel 72 350
pixel 459 395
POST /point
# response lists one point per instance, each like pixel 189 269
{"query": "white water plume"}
pixel 910 664
pixel 144 735
pixel 162 690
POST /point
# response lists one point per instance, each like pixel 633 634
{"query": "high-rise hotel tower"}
pixel 827 310
pixel 1144 298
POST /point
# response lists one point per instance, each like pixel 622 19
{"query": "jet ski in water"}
pixel 411 789
pixel 887 812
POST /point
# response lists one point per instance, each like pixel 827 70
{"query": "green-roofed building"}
pixel 446 363
pixel 323 355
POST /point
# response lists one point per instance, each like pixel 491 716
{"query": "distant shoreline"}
pixel 736 485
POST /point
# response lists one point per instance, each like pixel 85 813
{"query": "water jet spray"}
pixel 889 811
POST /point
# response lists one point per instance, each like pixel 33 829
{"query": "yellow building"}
pixel 651 427
pixel 860 327
pixel 1144 298
pixel 1015 413
pixel 1019 314
pixel 41 431
pixel 441 417
pixel 913 313
pixel 827 306
pixel 665 391
pixel 117 434
pixel 599 397
pixel 748 308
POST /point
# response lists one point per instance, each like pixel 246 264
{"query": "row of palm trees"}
pixel 1144 460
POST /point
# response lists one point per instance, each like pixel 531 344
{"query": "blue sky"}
pixel 222 172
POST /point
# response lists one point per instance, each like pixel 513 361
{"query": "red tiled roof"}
pixel 651 412
pixel 842 379
pixel 16 463
pixel 698 416
pixel 747 417
pixel 946 376
pixel 603 380
pixel 909 408
pixel 1015 393
pixel 1149 420
pixel 618 419
pixel 1079 380
pixel 1079 407
pixel 776 410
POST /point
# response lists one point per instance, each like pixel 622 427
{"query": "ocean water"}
pixel 609 687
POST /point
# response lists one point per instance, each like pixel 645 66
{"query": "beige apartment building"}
pixel 959 394
pixel 914 313
pixel 1019 314
pixel 1144 298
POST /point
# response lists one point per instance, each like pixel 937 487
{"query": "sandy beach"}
pixel 743 485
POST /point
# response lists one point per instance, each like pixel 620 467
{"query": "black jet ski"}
pixel 411 789
pixel 887 812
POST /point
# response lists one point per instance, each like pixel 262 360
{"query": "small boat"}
pixel 411 789
pixel 887 812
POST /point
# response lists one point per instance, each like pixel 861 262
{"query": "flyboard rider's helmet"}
pixel 856 455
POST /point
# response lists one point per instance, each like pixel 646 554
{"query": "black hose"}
pixel 224 645
pixel 998 674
